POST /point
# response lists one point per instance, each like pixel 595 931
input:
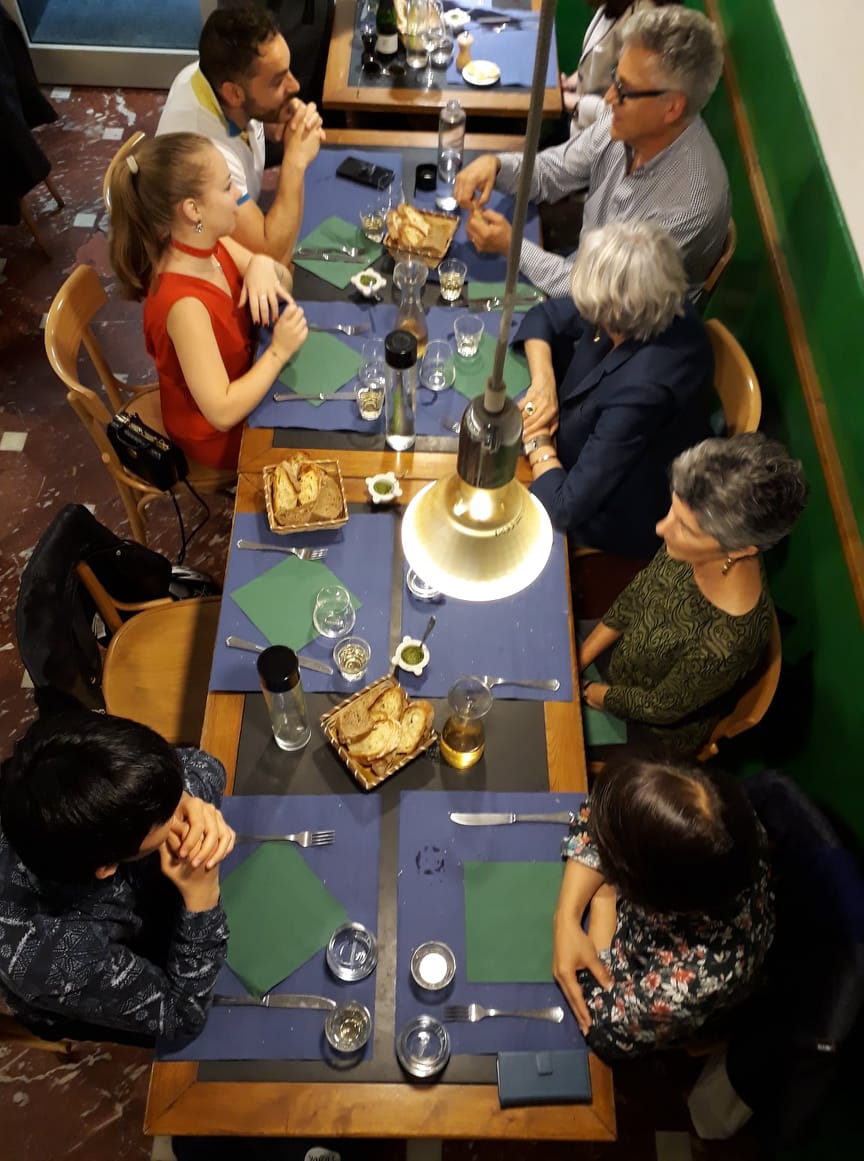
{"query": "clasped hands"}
pixel 198 841
pixel 488 230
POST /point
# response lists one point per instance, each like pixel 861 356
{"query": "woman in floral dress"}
pixel 669 863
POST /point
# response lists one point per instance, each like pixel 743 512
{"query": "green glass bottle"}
pixel 387 42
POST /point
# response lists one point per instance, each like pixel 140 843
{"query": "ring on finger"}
pixel 530 408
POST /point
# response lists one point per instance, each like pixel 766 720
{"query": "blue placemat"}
pixel 294 1034
pixel 326 194
pixel 361 555
pixel 525 636
pixel 432 409
pixel 513 50
pixel 432 851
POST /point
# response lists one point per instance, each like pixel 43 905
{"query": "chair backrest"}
pixel 157 668
pixel 127 146
pixel 718 269
pixel 67 327
pixel 753 703
pixel 734 380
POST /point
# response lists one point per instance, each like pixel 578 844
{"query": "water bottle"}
pixel 279 675
pixel 451 146
pixel 400 393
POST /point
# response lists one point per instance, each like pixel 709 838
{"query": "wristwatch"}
pixel 531 445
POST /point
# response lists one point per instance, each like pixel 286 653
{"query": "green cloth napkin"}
pixel 324 363
pixel 600 728
pixel 508 921
pixel 337 232
pixel 281 600
pixel 496 290
pixel 279 914
pixel 473 374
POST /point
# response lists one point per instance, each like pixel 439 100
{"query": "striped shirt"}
pixel 684 189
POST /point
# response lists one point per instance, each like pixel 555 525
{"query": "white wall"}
pixel 826 40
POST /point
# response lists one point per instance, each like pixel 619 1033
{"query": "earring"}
pixel 199 227
pixel 727 565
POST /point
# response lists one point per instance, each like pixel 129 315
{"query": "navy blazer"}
pixel 624 414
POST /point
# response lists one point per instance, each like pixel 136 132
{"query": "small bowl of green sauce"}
pixel 368 282
pixel 411 656
pixel 383 488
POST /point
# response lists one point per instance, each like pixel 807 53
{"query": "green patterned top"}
pixel 678 661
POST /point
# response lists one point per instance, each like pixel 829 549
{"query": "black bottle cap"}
pixel 400 350
pixel 426 177
pixel 278 668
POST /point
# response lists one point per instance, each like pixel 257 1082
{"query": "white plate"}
pixel 456 18
pixel 481 72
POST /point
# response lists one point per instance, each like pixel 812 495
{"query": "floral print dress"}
pixel 671 973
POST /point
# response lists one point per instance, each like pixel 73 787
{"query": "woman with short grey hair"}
pixel 688 48
pixel 688 629
pixel 620 384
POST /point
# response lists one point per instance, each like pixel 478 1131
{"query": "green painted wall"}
pixel 572 17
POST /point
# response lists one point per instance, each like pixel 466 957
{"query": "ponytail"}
pixel 146 188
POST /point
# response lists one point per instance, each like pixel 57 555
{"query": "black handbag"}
pixel 146 452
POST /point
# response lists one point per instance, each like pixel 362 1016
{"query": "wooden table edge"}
pixel 176 1104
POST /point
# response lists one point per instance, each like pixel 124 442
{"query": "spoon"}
pixel 430 625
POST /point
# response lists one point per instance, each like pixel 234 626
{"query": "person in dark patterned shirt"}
pixel 670 864
pixel 691 625
pixel 111 926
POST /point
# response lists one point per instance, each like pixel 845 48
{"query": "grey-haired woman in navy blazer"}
pixel 621 383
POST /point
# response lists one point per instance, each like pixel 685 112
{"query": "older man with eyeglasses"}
pixel 649 156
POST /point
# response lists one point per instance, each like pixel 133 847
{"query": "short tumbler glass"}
pixel 352 655
pixel 451 278
pixel 333 615
pixel 468 329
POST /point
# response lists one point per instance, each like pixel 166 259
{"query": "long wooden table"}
pixel 358 100
pixel 180 1103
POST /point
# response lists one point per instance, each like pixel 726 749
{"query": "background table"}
pixel 359 101
pixel 530 745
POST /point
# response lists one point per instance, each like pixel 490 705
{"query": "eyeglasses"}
pixel 632 94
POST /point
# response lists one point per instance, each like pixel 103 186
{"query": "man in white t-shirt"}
pixel 241 89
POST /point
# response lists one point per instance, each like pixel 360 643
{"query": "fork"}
pixel 551 683
pixel 471 1013
pixel 300 553
pixel 344 328
pixel 449 424
pixel 303 838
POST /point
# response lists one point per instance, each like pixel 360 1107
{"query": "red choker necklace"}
pixel 193 250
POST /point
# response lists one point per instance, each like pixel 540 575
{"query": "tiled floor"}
pixel 92 1107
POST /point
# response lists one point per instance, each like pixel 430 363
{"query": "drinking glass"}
pixel 370 400
pixel 373 218
pixel 438 368
pixel 451 278
pixel 468 329
pixel 351 656
pixel 333 615
pixel 373 371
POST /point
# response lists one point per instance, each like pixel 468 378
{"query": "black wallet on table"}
pixel 543 1078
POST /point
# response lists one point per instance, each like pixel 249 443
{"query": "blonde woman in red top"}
pixel 173 208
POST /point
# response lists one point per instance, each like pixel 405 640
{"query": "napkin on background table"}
pixel 336 231
pixel 323 364
pixel 279 914
pixel 281 600
pixel 473 374
pixel 508 921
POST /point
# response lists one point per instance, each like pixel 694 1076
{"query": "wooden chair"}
pixel 753 703
pixel 156 668
pixel 734 380
pixel 75 305
pixel 124 150
pixel 717 271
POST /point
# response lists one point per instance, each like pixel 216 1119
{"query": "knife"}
pixel 304 662
pixel 321 1003
pixel 501 819
pixel 330 255
pixel 287 397
pixel 497 301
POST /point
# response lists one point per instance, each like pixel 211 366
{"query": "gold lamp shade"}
pixel 478 544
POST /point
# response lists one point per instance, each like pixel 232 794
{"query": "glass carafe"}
pixel 463 739
pixel 409 278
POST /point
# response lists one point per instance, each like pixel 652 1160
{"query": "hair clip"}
pixel 132 163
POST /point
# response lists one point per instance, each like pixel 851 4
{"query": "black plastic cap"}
pixel 278 668
pixel 400 350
